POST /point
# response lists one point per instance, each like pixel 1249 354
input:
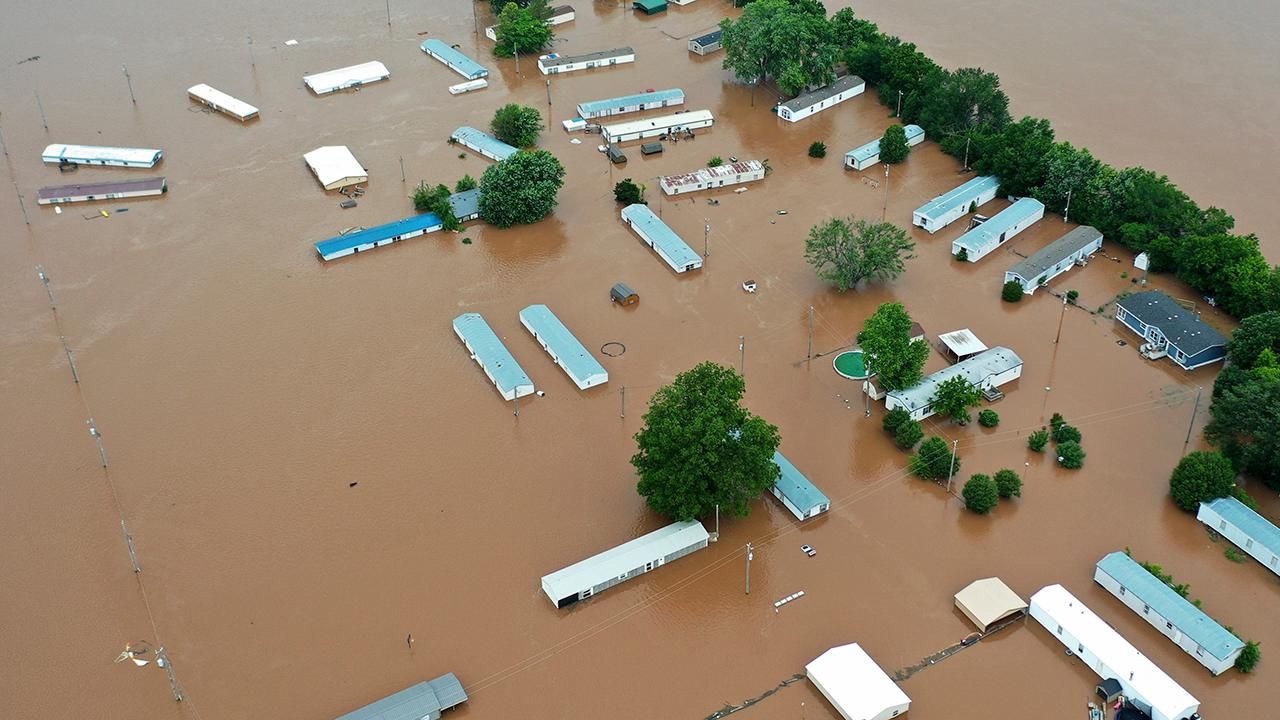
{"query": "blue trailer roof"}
pixel 872 149
pixel 664 237
pixel 465 203
pixel 381 232
pixel 489 351
pixel 959 197
pixel 1170 605
pixel 1005 219
pixel 1251 523
pixel 577 361
pixel 796 487
pixel 466 66
pixel 647 97
pixel 484 141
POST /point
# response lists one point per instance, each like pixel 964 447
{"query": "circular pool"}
pixel 852 364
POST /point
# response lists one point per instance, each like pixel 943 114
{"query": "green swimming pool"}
pixel 852 364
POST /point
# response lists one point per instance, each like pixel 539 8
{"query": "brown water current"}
pixel 241 385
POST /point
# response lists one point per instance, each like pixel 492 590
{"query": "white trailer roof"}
pixel 331 80
pixel 334 166
pixel 95 153
pixel 684 118
pixel 239 108
pixel 622 559
pixel 1149 682
pixel 854 683
pixel 962 342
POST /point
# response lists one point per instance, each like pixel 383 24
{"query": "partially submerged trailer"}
pixel 649 100
pixel 454 59
pixel 483 143
pixel 370 238
pixel 563 347
pixel 624 562
pixel 713 177
pixel 468 86
pixel 864 156
pixel 347 77
pixel 555 63
pixel 492 356
pixel 424 701
pixel 222 102
pixel 687 121
pixel 118 190
pixel 954 204
pixel 673 250
pixel 101 155
pixel 335 167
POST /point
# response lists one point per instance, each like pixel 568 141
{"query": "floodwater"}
pixel 312 470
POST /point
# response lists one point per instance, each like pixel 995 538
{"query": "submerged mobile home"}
pixel 97 155
pixel 1250 532
pixel 688 120
pixel 986 370
pixel 712 177
pixel 377 236
pixel 802 106
pixel 1057 257
pixel 624 562
pixel 118 190
pixel 555 63
pixel 797 493
pixel 347 77
pixel 454 59
pixel 663 240
pixel 956 203
pixel 492 356
pixel 863 157
pixel 222 102
pixel 981 240
pixel 631 103
pixel 565 349
pixel 483 143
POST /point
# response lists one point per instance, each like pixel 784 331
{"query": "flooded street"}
pixel 312 468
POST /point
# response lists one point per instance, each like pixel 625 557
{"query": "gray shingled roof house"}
pixel 423 701
pixel 1170 329
pixel 1055 258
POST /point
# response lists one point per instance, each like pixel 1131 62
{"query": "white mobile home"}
pixel 1109 655
pixel 222 102
pixel 118 190
pixel 987 371
pixel 708 42
pixel 863 157
pixel 673 250
pixel 951 206
pixel 468 86
pixel 797 493
pixel 1057 257
pixel 651 100
pixel 624 562
pixel 1173 615
pixel 334 166
pixel 1250 532
pixel 980 241
pixel 565 349
pixel 492 356
pixel 713 177
pixel 555 63
pixel 855 685
pixel 347 77
pixel 802 106
pixel 656 127
pixel 95 155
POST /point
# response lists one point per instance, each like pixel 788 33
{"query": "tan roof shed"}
pixel 988 601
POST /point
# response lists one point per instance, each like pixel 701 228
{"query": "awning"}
pixel 988 601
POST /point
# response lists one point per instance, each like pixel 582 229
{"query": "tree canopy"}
pixel 520 30
pixel 934 460
pixel 700 448
pixel 435 200
pixel 893 145
pixel 846 251
pixel 954 397
pixel 960 101
pixel 981 494
pixel 893 356
pixel 516 125
pixel 791 42
pixel 521 189
pixel 1016 154
pixel 628 192
pixel 1201 476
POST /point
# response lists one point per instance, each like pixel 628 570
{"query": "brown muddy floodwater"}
pixel 241 385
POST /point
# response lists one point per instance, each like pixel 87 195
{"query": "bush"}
pixel 628 193
pixel 1009 483
pixel 894 419
pixel 1057 421
pixel 1038 439
pixel 1249 657
pixel 516 125
pixel 1235 555
pixel 988 418
pixel 981 494
pixel 1070 455
pixel 908 434
pixel 963 255
pixel 934 459
pixel 1012 292
pixel 1072 296
pixel 893 145
pixel 818 150
pixel 466 183
pixel 716 161
pixel 1067 433
pixel 1201 476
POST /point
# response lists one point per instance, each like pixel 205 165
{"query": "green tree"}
pixel 520 31
pixel 817 149
pixel 981 494
pixel 908 434
pixel 849 30
pixel 1071 455
pixel 1249 656
pixel 1067 433
pixel 896 359
pixel 628 193
pixel 847 251
pixel 1255 334
pixel 1011 292
pixel 521 189
pixel 435 200
pixel 1009 483
pixel 700 448
pixel 954 397
pixel 466 183
pixel 1056 421
pixel 1038 439
pixel 893 145
pixel 516 125
pixel 715 161
pixel 894 419
pixel 1075 171
pixel 1201 476
pixel 787 41
pixel 1016 155
pixel 934 460
pixel 963 100
pixel 988 418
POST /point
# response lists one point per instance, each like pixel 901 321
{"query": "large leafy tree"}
pixel 893 145
pixel 1200 477
pixel 1246 401
pixel 896 359
pixel 1255 334
pixel 981 494
pixel 1016 155
pixel 1075 174
pixel 934 460
pixel 521 189
pixel 516 125
pixel 700 448
pixel 963 100
pixel 847 251
pixel 790 42
pixel 954 397
pixel 519 30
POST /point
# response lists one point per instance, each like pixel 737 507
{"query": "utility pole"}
pixel 517 394
pixel 475 20
pixel 21 204
pixel 252 61
pixel 388 13
pixel 548 102
pixel 1061 317
pixel 402 169
pixel 952 473
pixel 1194 409
pixel 809 353
pixel 966 153
pixel 1067 210
pixel 2 145
pixel 717 521
pixel 898 113
pixel 93 430
pixel 885 211
pixel 40 105
pixel 622 394
pixel 163 661
pixel 742 355
pixel 130 81
pixel 45 279
pixel 706 231
pixel 516 49
pixel 749 554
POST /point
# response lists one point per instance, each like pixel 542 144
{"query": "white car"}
pixel 808 550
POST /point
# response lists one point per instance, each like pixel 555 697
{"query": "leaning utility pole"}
pixel 808 356
pixel 1194 410
pixel 130 81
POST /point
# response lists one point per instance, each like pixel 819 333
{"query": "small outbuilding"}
pixel 985 238
pixel 465 205
pixel 650 7
pixel 615 154
pixel 705 43
pixel 960 345
pixel 796 492
pixel 1250 532
pixel 424 701
pixel 622 294
pixel 988 601
pixel 1170 330
pixel 1057 257
pixel 624 562
pixel 651 148
pixel 335 167
pixel 855 685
